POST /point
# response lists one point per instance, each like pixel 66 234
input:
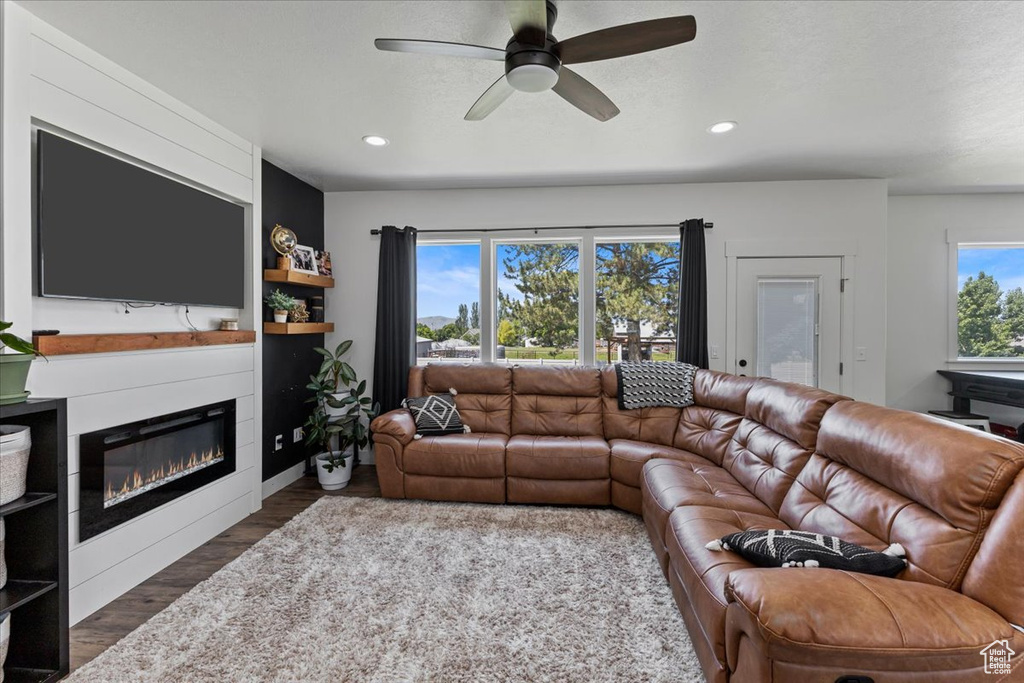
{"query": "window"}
pixel 637 287
pixel 573 298
pixel 538 302
pixel 448 302
pixel 990 300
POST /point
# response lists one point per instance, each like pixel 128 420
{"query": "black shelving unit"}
pixel 36 549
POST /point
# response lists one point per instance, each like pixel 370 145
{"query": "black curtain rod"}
pixel 707 226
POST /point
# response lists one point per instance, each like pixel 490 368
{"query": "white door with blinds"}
pixel 788 317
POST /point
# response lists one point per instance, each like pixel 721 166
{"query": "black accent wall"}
pixel 288 360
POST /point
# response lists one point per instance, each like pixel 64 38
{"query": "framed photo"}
pixel 323 263
pixel 304 260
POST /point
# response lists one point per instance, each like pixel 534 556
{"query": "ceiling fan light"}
pixel 532 78
pixel 722 127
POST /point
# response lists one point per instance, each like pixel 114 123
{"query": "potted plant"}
pixel 281 303
pixel 337 373
pixel 14 366
pixel 340 419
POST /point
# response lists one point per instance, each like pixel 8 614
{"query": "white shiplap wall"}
pixel 52 82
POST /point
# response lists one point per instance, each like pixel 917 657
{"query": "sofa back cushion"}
pixel 707 427
pixel 994 577
pixel 556 401
pixel 776 437
pixel 655 425
pixel 883 476
pixel 483 392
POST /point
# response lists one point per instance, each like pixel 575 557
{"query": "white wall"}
pixel 919 277
pixel 841 213
pixel 55 83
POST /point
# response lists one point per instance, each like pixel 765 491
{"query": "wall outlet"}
pixel 860 353
pixel 297 435
pixel 278 442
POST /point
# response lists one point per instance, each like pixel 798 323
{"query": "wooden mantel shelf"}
pixel 296 278
pixel 65 344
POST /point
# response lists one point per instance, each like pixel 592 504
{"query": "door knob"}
pixel 743 363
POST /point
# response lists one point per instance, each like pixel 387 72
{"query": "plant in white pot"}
pixel 281 303
pixel 340 418
pixel 14 366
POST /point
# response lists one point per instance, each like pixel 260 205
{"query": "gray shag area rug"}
pixel 383 590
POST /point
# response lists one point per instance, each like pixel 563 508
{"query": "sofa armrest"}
pixel 397 424
pixel 827 619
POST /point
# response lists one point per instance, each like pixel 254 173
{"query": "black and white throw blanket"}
pixel 655 383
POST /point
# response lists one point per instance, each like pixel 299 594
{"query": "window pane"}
pixel 990 302
pixel 538 303
pixel 447 302
pixel 787 320
pixel 637 301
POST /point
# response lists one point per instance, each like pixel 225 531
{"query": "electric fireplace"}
pixel 128 470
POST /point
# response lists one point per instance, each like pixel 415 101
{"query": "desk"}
pixel 1004 388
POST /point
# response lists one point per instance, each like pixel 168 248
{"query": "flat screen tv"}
pixel 111 230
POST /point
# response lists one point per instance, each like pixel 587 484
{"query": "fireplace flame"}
pixel 138 482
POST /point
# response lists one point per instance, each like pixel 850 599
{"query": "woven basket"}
pixel 5 638
pixel 15 446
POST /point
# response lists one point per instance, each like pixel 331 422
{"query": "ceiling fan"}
pixel 535 60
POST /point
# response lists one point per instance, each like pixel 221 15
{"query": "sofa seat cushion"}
pixel 669 484
pixel 557 457
pixel 702 573
pixel 804 615
pixel 628 458
pixel 457 455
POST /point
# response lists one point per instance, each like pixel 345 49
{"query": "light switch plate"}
pixel 277 442
pixel 297 435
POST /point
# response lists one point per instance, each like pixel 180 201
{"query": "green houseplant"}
pixel 14 367
pixel 340 418
pixel 281 303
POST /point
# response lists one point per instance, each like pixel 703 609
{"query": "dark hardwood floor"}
pixel 100 630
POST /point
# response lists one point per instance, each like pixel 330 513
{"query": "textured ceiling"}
pixel 928 94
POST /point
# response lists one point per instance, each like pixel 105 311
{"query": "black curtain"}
pixel 692 326
pixel 395 349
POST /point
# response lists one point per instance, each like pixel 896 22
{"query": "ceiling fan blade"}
pixel 437 47
pixel 581 93
pixel 489 101
pixel 628 39
pixel 529 19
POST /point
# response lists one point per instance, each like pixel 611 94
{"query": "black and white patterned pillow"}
pixel 786 548
pixel 435 415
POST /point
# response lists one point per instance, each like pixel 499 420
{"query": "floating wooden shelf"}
pixel 64 344
pixel 296 278
pixel 297 328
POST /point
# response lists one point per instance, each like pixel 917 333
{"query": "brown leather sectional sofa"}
pixel 755 454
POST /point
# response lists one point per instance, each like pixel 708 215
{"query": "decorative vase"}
pixel 280 316
pixel 14 369
pixel 337 479
pixel 5 639
pixel 15 446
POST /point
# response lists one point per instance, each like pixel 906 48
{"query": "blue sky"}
pixel 1006 265
pixel 446 276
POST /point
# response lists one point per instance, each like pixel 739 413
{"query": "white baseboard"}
pixel 279 481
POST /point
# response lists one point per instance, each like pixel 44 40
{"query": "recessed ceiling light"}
pixel 375 140
pixel 721 127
